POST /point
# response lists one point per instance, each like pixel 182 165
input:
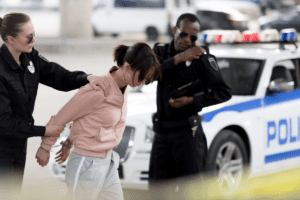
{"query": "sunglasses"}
pixel 184 35
pixel 30 38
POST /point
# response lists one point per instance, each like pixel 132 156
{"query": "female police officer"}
pixel 22 68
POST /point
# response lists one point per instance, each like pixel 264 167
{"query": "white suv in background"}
pixel 132 16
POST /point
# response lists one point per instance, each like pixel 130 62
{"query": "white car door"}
pixel 282 119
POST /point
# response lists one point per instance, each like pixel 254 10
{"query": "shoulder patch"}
pixel 213 63
pixel 42 57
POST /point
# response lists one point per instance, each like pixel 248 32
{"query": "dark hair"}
pixel 193 18
pixel 141 58
pixel 11 24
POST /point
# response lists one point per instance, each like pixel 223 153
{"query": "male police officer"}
pixel 179 147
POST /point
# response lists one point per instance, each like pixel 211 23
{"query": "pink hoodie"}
pixel 98 121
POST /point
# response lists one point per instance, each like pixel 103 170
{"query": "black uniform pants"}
pixel 12 164
pixel 176 157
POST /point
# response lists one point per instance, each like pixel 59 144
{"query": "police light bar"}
pixel 286 36
pixel 221 36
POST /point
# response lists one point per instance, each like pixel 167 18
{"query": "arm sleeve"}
pixel 57 77
pixel 83 103
pixel 166 64
pixel 11 127
pixel 214 87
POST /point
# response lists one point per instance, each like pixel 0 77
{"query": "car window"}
pixel 140 3
pixel 242 75
pixel 286 71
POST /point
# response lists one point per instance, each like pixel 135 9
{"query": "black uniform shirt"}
pixel 18 90
pixel 213 89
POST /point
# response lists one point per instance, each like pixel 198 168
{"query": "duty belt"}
pixel 173 124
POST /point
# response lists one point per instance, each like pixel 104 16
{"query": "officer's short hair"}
pixel 192 18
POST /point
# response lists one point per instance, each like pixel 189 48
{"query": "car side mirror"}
pixel 281 85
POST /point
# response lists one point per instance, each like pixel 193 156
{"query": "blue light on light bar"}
pixel 203 37
pixel 288 34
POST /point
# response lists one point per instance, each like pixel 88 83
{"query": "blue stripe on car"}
pixel 282 156
pixel 255 104
pixel 240 107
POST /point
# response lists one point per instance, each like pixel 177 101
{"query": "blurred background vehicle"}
pixel 131 16
pixel 228 14
pixel 279 16
pixel 226 18
pixel 36 4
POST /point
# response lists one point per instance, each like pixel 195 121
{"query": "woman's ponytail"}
pixel 119 54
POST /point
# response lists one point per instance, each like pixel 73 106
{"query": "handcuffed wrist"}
pixel 66 146
pixel 45 149
pixel 44 144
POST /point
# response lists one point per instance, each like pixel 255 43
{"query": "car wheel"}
pixel 95 33
pixel 227 159
pixel 152 33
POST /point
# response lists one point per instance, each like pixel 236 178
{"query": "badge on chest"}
pixel 31 67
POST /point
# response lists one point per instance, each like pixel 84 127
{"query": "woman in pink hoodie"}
pixel 98 125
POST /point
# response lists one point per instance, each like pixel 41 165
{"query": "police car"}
pixel 258 128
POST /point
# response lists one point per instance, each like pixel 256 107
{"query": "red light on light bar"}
pixel 218 38
pixel 253 37
pixel 246 37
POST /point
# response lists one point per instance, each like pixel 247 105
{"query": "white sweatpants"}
pixel 93 178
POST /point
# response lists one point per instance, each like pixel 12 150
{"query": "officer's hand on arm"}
pixel 100 81
pixel 42 156
pixel 53 130
pixel 181 101
pixel 189 55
